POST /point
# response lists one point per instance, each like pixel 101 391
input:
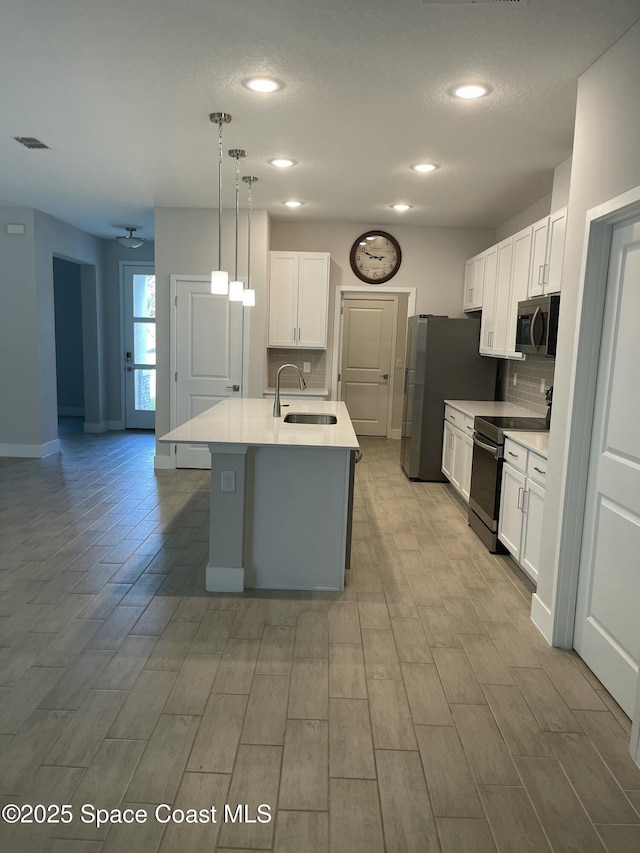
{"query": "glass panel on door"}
pixel 140 346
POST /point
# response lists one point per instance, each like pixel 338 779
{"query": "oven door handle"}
pixel 491 448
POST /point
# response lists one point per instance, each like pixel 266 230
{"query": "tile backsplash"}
pixel 317 378
pixel 529 375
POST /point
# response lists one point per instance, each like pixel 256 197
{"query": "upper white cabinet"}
pixel 547 254
pixel 474 273
pixel 298 299
pixel 525 265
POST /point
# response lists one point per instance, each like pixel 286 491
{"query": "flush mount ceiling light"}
pixel 130 241
pixel 423 168
pixel 470 91
pixel 293 203
pixel 282 162
pixel 263 85
pixel 219 278
pixel 401 207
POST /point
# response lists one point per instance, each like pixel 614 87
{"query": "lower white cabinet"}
pixel 521 508
pixel 457 451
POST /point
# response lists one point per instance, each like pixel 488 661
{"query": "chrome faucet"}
pixel 276 402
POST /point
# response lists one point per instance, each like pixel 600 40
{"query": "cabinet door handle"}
pixel 520 494
pixel 525 501
pixel 539 470
pixel 540 274
pixel 515 455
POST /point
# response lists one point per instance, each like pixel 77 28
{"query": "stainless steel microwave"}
pixel 537 328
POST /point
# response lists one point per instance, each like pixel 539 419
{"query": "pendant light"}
pixel 220 278
pixel 249 294
pixel 236 287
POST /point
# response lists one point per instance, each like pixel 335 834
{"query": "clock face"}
pixel 375 257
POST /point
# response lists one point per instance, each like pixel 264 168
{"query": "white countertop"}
pixel 536 441
pixel 298 392
pixel 490 407
pixel 250 421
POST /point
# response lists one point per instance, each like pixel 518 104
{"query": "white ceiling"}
pixel 121 91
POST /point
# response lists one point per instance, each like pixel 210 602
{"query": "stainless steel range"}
pixel 486 472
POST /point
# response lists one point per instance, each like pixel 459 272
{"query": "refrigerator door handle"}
pixel 406 379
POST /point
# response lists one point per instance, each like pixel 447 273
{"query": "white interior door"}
pixel 208 363
pixel 607 626
pixel 139 283
pixel 367 339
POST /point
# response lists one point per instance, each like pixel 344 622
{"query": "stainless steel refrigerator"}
pixel 442 363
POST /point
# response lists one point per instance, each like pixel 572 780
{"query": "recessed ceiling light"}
pixel 282 162
pixel 471 90
pixel 293 203
pixel 424 167
pixel 401 207
pixel 262 84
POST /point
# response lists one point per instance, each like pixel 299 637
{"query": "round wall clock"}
pixel 375 257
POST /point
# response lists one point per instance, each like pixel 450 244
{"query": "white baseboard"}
pixel 396 434
pixel 117 426
pixel 71 411
pixel 164 463
pixel 542 618
pixel 220 579
pixel 30 451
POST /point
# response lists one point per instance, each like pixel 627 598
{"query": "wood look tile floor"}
pixel 419 710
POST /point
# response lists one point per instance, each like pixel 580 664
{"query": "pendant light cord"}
pixel 235 274
pixel 220 195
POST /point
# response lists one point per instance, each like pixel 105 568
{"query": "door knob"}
pixel 232 387
pixel 385 376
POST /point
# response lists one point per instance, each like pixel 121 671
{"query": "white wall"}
pixel 606 163
pixel 29 426
pixel 536 211
pixel 186 243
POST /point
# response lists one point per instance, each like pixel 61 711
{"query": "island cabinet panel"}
pixel 298 512
pixel 298 299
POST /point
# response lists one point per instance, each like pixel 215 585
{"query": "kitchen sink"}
pixel 309 418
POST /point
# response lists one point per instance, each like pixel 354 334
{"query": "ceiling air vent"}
pixel 30 142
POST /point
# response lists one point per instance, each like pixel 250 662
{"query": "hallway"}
pixel 419 710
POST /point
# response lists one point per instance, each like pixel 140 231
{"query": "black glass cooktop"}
pixel 493 427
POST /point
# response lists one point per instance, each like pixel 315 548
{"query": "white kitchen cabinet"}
pixel 489 298
pixel 457 450
pixel 547 254
pixel 511 498
pixel 520 265
pixel 447 450
pixel 522 506
pixel 474 283
pixel 298 299
pixel 494 331
pixel 532 528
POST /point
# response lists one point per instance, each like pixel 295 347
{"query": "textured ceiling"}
pixel 121 92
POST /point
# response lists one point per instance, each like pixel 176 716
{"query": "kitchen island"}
pixel 281 494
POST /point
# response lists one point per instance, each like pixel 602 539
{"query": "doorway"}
pixel 584 435
pixel 67 303
pixel 207 356
pixel 139 300
pixel 369 370
pixel 607 626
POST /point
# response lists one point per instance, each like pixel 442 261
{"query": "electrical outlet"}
pixel 306 367
pixel 542 388
pixel 228 481
pixel 515 378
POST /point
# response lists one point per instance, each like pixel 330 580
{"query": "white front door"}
pixel 208 364
pixel 139 284
pixel 607 626
pixel 367 339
